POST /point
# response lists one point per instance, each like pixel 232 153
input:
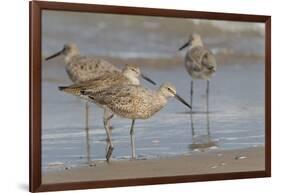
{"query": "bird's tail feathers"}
pixel 70 90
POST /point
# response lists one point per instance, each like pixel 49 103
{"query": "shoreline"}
pixel 216 161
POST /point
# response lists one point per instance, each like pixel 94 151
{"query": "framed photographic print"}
pixel 123 96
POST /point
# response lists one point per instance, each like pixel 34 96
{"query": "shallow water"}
pixel 236 119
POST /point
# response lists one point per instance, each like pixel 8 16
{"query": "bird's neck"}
pixel 194 46
pixel 162 97
pixel 198 43
pixel 70 56
pixel 161 101
pixel 133 80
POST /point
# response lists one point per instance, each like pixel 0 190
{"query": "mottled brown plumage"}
pixel 134 102
pixel 97 85
pixel 129 76
pixel 83 68
pixel 131 101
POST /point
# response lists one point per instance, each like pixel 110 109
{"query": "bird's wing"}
pixel 209 60
pixel 195 57
pixel 82 68
pixel 121 99
pixel 104 82
pixel 72 89
pixel 94 85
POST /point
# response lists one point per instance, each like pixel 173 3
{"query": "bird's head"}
pixel 168 90
pixel 133 72
pixel 194 40
pixel 68 50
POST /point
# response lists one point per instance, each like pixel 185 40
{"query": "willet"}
pixel 134 102
pixel 200 63
pixel 83 68
pixel 129 75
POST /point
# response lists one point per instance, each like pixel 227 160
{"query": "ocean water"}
pixel 236 118
pixel 145 37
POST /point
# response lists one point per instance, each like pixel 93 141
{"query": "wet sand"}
pixel 217 161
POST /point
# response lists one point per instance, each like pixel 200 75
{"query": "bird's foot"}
pixel 133 158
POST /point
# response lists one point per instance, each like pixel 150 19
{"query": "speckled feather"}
pixel 81 68
pixel 131 101
pixel 97 85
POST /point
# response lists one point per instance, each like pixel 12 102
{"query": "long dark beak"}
pixel 184 45
pixel 54 55
pixel 182 100
pixel 148 79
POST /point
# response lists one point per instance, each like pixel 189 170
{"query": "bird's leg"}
pixel 132 133
pixel 110 133
pixel 107 116
pixel 87 106
pixel 88 146
pixel 208 123
pixel 87 132
pixel 106 120
pixel 110 148
pixel 191 104
pixel 191 95
pixel 207 103
pixel 207 95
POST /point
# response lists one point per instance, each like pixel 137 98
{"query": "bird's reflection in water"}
pixel 202 142
pixel 88 147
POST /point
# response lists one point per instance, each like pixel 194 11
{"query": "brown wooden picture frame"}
pixel 36 8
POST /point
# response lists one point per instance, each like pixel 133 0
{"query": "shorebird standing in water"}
pixel 81 69
pixel 129 75
pixel 134 102
pixel 200 63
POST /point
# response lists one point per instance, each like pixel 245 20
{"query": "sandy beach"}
pixel 250 159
